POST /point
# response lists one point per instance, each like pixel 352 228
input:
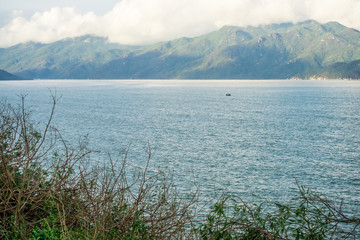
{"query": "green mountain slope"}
pixel 338 70
pixel 271 51
pixel 4 75
pixel 68 58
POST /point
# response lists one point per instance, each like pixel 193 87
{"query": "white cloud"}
pixel 149 21
pixel 48 26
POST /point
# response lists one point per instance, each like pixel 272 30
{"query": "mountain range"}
pixel 279 51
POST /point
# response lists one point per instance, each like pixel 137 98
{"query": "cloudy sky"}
pixel 150 21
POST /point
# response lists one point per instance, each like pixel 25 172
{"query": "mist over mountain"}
pixel 277 51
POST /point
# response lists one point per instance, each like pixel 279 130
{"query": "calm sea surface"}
pixel 254 142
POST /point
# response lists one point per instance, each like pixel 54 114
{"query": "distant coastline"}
pixel 315 78
pixel 305 50
pixel 6 76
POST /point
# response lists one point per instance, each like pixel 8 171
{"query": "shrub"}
pixel 49 195
pixel 307 216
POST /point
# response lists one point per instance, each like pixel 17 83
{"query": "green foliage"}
pixel 307 216
pixel 47 229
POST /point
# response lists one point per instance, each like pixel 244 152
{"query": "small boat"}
pixel 228 94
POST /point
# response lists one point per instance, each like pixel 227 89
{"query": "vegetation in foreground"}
pixel 47 192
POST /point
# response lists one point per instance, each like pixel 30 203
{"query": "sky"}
pixel 139 22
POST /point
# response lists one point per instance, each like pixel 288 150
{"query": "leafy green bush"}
pixel 307 216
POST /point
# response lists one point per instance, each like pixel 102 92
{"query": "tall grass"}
pixel 47 192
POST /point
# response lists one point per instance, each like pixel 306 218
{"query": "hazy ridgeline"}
pixel 278 51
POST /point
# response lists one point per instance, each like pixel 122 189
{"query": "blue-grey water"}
pixel 255 142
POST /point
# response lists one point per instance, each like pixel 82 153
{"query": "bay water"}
pixel 254 144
